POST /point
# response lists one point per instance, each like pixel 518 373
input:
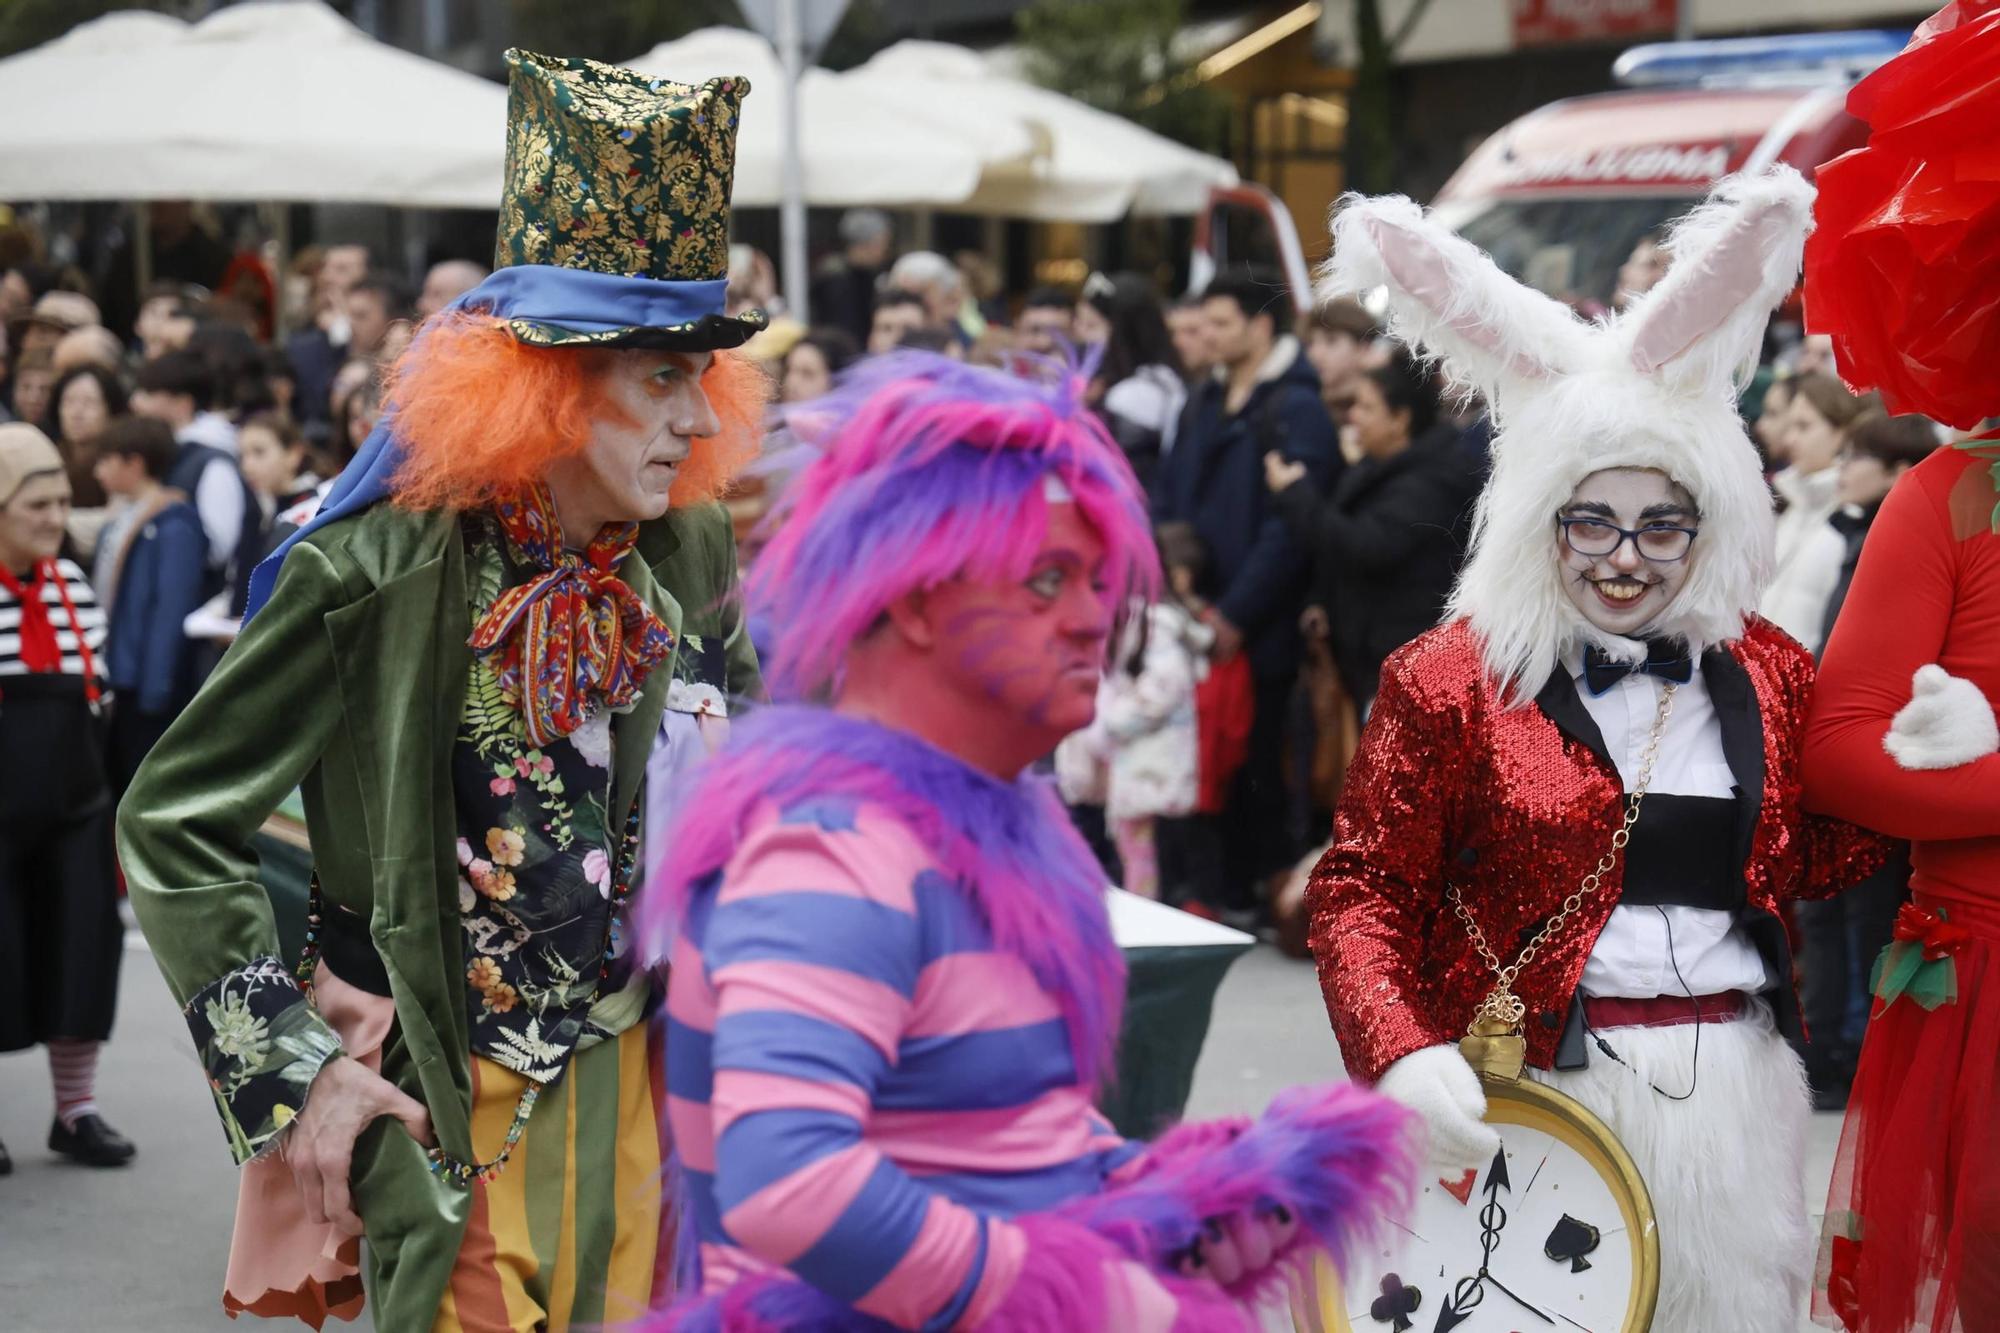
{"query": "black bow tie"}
pixel 1665 658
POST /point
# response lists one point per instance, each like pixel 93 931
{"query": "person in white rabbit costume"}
pixel 1600 657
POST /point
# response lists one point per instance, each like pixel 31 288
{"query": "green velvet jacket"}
pixel 349 685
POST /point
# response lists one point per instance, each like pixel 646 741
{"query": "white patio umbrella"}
pixel 857 148
pixel 274 100
pixel 1089 165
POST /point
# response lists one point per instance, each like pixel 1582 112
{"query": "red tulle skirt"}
pixel 1912 1239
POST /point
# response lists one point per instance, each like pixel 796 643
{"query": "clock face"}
pixel 1554 1234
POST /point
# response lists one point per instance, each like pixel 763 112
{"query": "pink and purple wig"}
pixel 929 470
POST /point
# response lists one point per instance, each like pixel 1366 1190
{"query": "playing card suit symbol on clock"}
pixel 1460 1189
pixel 1569 1241
pixel 1396 1304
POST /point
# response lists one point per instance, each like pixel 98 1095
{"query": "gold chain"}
pixel 1502 1005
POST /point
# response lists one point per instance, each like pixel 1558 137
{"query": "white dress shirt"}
pixel 1641 948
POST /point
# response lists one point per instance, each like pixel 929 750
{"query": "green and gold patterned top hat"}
pixel 614 226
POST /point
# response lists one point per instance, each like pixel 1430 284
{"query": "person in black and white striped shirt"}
pixel 60 936
pixel 65 591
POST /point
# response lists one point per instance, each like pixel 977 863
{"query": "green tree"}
pixel 621 29
pixel 26 24
pixel 614 29
pixel 1372 110
pixel 1117 55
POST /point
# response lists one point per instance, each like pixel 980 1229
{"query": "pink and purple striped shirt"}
pixel 861 1088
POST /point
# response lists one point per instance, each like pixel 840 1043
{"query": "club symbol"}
pixel 1570 1240
pixel 1396 1303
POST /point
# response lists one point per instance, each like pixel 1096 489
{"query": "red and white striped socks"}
pixel 73 1065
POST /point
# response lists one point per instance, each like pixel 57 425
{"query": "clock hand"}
pixel 1458 1306
pixel 1492 1217
pixel 1530 1308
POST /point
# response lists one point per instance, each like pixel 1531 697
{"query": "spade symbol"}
pixel 1396 1303
pixel 1570 1241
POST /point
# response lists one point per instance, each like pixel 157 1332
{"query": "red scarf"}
pixel 40 651
pixel 576 632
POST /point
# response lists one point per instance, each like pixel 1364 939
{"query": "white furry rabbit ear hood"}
pixel 1655 387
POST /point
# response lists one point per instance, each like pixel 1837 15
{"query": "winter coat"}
pixel 148 660
pixel 1385 548
pixel 1214 479
pixel 1140 757
pixel 1809 555
pixel 1143 411
pixel 1851 522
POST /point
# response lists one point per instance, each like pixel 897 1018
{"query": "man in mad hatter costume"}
pixel 464 661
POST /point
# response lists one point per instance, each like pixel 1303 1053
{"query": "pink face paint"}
pixel 1033 648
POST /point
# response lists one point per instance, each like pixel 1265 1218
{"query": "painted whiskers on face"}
pixel 1016 661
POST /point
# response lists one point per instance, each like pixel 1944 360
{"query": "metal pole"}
pixel 142 250
pixel 792 199
pixel 1684 26
pixel 281 234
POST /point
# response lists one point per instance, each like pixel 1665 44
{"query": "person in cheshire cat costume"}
pixel 894 991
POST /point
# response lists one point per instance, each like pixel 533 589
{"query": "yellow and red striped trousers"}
pixel 569 1233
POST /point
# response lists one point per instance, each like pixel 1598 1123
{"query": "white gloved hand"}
pixel 1441 1088
pixel 1949 722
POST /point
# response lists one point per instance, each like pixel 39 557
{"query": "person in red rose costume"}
pixel 1904 274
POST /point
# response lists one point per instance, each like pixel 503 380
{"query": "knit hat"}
pixel 24 452
pixel 62 310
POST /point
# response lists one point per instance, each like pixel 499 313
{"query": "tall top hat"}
pixel 614 232
pixel 614 225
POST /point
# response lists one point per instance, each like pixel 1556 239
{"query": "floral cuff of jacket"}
pixel 261 1043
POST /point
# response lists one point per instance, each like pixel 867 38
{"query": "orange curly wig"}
pixel 480 415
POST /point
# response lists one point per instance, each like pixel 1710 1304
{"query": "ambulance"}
pixel 1561 196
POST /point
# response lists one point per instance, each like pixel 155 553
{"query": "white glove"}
pixel 1947 723
pixel 1441 1088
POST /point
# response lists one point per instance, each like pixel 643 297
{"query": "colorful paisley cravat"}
pixel 575 632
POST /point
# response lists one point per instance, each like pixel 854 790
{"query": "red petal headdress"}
pixel 1903 268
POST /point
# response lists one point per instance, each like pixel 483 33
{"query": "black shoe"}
pixel 92 1142
pixel 6 1162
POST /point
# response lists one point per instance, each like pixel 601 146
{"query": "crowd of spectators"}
pixel 192 445
pixel 1311 483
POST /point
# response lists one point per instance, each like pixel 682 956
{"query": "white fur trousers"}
pixel 1726 1168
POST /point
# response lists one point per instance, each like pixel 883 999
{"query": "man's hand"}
pixel 1314 624
pixel 345 1098
pixel 1228 638
pixel 1239 1246
pixel 1279 473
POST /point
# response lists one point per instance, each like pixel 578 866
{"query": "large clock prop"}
pixel 1556 1233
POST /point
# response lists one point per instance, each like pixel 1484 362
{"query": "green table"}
pixel 1175 963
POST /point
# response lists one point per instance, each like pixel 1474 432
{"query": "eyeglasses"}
pixel 1661 543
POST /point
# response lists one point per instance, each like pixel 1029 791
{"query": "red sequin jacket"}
pixel 1515 806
